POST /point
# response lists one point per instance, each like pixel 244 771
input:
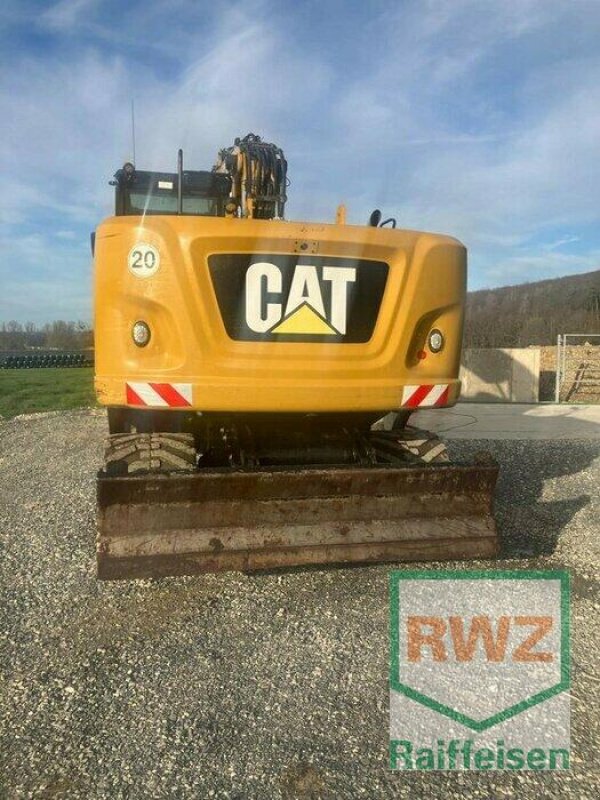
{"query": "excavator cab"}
pixel 140 193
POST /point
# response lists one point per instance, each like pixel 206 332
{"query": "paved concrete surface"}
pixel 512 421
pixel 271 685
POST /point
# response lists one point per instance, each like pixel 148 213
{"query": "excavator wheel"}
pixel 425 445
pixel 128 453
pixel 408 444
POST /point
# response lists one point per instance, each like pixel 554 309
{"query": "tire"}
pixel 425 445
pixel 130 453
pixel 409 444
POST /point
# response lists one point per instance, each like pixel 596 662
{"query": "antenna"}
pixel 180 181
pixel 133 128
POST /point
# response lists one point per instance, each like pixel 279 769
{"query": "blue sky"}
pixel 479 118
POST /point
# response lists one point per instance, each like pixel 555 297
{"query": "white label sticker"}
pixel 143 260
pixel 165 184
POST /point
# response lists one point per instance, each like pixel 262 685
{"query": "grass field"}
pixel 23 391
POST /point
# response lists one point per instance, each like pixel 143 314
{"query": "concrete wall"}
pixel 508 375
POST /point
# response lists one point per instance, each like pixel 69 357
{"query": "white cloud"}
pixel 533 266
pixel 467 117
pixel 564 240
pixel 67 13
pixel 39 275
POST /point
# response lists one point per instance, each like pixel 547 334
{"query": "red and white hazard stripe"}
pixel 435 394
pixel 159 395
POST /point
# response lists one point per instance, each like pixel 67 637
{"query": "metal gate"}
pixel 578 368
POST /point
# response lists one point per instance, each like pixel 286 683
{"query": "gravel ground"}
pixel 240 686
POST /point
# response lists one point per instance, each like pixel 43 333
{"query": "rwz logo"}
pixel 438 636
pixel 276 297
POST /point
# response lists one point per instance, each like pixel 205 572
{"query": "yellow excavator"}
pixel 259 376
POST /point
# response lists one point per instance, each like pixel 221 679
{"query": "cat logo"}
pixel 290 298
pixel 304 311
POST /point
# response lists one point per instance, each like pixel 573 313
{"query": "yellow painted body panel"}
pixel 425 289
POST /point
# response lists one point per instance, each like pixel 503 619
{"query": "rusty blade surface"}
pixel 150 526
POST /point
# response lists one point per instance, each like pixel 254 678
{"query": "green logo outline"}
pixel 480 725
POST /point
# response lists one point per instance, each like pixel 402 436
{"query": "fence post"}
pixel 558 367
pixel 563 371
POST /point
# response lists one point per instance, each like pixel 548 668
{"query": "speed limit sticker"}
pixel 143 260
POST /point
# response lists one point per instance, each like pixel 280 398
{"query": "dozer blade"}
pixel 183 524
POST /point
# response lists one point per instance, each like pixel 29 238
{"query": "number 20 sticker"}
pixel 143 260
